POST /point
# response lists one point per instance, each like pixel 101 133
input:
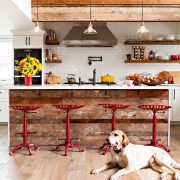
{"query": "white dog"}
pixel 132 157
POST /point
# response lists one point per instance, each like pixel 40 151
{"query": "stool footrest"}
pixel 32 132
pixel 142 139
pixel 70 139
pixel 21 133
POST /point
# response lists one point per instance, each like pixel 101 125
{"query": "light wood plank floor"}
pixel 46 165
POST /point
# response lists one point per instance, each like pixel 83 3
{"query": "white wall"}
pixel 13 18
pixel 24 6
pixel 75 59
pixel 6 60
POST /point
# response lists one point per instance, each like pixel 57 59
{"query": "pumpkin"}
pixel 52 79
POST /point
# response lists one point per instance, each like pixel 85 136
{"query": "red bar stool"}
pixel 26 109
pixel 68 144
pixel 155 109
pixel 114 108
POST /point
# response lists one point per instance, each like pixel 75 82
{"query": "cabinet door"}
pixel 28 41
pixel 4 94
pixel 4 111
pixel 35 41
pixel 176 105
pixel 20 41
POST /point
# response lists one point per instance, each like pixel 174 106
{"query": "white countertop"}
pixel 96 87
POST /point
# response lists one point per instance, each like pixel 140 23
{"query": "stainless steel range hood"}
pixel 103 38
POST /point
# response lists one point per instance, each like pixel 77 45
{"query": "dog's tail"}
pixel 175 164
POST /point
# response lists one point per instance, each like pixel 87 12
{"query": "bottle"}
pixel 172 80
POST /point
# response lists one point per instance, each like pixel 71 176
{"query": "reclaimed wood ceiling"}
pixel 107 10
pixel 106 2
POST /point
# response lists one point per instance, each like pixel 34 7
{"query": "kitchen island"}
pixel 90 124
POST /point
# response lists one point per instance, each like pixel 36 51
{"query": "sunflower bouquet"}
pixel 29 66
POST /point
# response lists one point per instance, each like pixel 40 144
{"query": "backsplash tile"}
pixel 75 60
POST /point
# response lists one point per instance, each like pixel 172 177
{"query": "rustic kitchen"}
pixel 72 72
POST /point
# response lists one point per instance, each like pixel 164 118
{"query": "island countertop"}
pixel 115 87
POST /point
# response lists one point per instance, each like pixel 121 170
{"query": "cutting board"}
pixel 176 75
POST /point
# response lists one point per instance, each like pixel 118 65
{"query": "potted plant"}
pixel 29 67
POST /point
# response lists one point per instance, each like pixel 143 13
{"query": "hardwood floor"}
pixel 47 165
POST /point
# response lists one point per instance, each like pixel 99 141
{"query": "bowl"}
pixel 163 57
pixel 170 37
pixel 175 57
pixel 129 82
pixel 178 37
pixel 159 38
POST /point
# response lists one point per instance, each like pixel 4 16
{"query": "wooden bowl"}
pixel 152 83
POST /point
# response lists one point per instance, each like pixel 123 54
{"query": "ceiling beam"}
pixel 105 2
pixel 110 14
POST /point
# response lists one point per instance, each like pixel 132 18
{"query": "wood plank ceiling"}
pixel 105 2
pixel 107 10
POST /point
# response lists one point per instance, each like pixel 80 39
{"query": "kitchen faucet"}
pixel 93 80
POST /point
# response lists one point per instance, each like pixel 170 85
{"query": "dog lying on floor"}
pixel 131 157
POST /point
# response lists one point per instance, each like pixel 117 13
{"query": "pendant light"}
pixel 142 29
pixel 37 28
pixel 90 29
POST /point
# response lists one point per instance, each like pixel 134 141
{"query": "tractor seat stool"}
pixel 26 109
pixel 155 109
pixel 68 144
pixel 114 108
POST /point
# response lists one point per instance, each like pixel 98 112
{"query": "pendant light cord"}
pixel 142 11
pixel 90 10
pixel 37 11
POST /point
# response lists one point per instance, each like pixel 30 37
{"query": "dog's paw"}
pixel 97 171
pixel 163 176
pixel 177 175
pixel 114 177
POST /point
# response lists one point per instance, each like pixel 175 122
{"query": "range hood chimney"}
pixel 103 38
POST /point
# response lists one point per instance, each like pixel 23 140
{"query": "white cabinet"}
pixel 4 106
pixel 27 41
pixel 176 105
pixel 35 41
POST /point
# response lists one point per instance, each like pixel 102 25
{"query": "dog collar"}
pixel 118 151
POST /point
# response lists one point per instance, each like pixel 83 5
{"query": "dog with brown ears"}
pixel 131 157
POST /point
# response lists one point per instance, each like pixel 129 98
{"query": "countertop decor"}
pixel 29 67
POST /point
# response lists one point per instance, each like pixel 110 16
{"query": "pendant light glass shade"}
pixel 142 29
pixel 90 29
pixel 37 28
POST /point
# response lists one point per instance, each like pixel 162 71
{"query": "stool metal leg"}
pixel 25 137
pixel 67 143
pixel 114 121
pixel 154 141
pixel 16 149
pixel 25 134
pixel 106 146
pixel 107 149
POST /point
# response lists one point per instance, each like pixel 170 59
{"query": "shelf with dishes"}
pixel 153 42
pixel 153 61
pixel 138 56
pixel 51 38
pixel 53 61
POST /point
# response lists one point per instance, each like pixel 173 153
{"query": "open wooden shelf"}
pixel 53 61
pixel 153 61
pixel 155 42
pixel 52 42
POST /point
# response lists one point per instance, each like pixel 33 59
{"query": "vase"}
pixel 28 81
